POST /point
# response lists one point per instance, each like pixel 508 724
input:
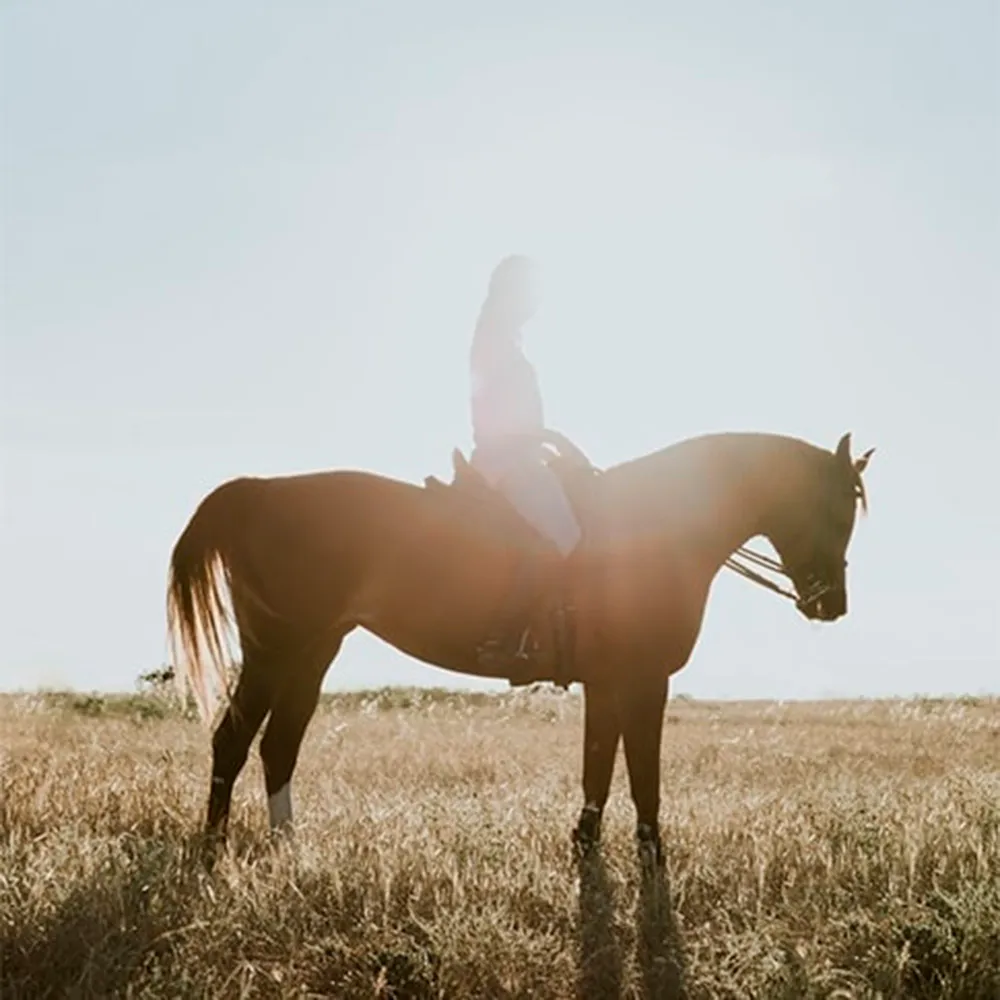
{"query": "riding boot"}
pixel 510 647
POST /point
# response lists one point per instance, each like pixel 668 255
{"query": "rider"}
pixel 507 423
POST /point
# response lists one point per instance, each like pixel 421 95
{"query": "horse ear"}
pixel 844 449
pixel 861 463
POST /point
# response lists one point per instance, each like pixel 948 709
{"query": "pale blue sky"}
pixel 247 238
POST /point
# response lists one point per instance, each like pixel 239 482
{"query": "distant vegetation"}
pixel 157 698
pixel 815 850
pixel 160 700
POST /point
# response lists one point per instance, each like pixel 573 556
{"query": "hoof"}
pixel 650 846
pixel 213 846
pixel 587 833
pixel 283 833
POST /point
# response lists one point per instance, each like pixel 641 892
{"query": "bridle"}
pixel 815 588
pixel 764 562
pixel 741 561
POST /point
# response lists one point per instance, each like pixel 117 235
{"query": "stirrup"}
pixel 496 646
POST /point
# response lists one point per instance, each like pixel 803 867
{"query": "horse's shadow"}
pixel 99 938
pixel 659 953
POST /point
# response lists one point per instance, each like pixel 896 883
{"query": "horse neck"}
pixel 738 514
pixel 718 492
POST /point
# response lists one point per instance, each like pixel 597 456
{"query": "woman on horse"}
pixel 508 423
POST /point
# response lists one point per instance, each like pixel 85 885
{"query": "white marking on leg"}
pixel 279 807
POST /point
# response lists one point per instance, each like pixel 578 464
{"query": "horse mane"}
pixel 663 461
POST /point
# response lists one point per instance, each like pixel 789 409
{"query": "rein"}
pixel 741 561
pixel 763 562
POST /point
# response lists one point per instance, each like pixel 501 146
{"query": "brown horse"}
pixel 290 566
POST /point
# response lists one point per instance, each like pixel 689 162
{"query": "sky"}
pixel 246 238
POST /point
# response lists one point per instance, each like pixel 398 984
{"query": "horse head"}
pixel 815 530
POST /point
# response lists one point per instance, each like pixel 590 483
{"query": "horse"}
pixel 286 567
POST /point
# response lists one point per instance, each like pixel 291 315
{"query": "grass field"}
pixel 843 849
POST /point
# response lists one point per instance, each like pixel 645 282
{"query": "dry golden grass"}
pixel 814 850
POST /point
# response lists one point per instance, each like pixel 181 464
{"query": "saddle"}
pixel 579 480
pixel 575 472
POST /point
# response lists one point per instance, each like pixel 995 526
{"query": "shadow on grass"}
pixel 600 949
pixel 660 949
pixel 106 932
pixel 659 953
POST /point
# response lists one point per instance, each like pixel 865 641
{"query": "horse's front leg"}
pixel 642 706
pixel 600 743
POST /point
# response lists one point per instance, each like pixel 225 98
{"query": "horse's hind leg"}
pixel 293 707
pixel 234 734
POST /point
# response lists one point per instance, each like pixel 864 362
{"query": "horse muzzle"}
pixel 823 604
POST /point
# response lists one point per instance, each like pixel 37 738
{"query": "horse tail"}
pixel 199 594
